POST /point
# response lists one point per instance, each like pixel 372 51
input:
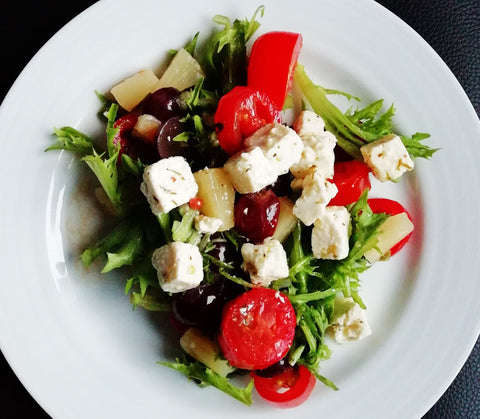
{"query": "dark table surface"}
pixel 451 27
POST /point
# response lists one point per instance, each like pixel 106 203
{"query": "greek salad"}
pixel 239 194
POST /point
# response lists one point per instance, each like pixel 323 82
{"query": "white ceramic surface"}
pixel 72 337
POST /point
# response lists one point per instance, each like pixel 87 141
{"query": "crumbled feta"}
pixel 387 157
pixel 318 153
pixel 168 184
pixel 316 194
pixel 319 145
pixel 330 234
pixel 179 266
pixel 308 123
pixel 206 224
pixel 280 144
pixel 265 262
pixel 349 321
pixel 250 171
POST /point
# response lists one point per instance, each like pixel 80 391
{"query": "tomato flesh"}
pixel 272 63
pixel 391 207
pixel 239 114
pixel 290 388
pixel 351 178
pixel 257 328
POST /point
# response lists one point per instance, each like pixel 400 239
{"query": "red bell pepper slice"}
pixel 239 114
pixel 272 62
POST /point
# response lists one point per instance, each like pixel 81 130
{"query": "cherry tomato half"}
pixel 351 179
pixel 391 207
pixel 290 388
pixel 239 114
pixel 272 62
pixel 257 328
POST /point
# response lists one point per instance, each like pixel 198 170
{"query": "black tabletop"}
pixel 451 27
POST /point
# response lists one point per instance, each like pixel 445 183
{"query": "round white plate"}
pixel 72 337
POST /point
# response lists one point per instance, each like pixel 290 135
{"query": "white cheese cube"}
pixel 330 234
pixel 316 194
pixel 387 157
pixel 168 184
pixel 308 123
pixel 179 266
pixel 318 153
pixel 265 262
pixel 349 321
pixel 280 144
pixel 319 146
pixel 205 224
pixel 250 171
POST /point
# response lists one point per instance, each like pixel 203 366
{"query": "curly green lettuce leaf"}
pixel 198 371
pixel 225 53
pixel 70 139
pixel 354 129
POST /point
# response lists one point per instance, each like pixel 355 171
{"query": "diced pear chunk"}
pixel 205 350
pixel 394 229
pixel 217 194
pixel 131 91
pixel 286 219
pixel 183 72
pixel 146 128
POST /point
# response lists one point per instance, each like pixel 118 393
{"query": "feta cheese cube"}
pixel 316 194
pixel 349 321
pixel 280 144
pixel 318 153
pixel 179 266
pixel 318 144
pixel 308 123
pixel 330 234
pixel 250 171
pixel 387 157
pixel 265 262
pixel 206 224
pixel 168 184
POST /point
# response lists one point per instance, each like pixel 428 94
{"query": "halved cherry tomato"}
pixel 351 178
pixel 257 328
pixel 289 388
pixel 272 62
pixel 239 114
pixel 391 207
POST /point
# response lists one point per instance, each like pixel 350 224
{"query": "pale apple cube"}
pixel 394 229
pixel 146 128
pixel 217 195
pixel 131 91
pixel 183 72
pixel 387 157
pixel 287 220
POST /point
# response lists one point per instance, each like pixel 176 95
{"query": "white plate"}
pixel 73 339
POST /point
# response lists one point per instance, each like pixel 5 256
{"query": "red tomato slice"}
pixel 257 328
pixel 391 207
pixel 272 62
pixel 351 178
pixel 289 388
pixel 239 114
